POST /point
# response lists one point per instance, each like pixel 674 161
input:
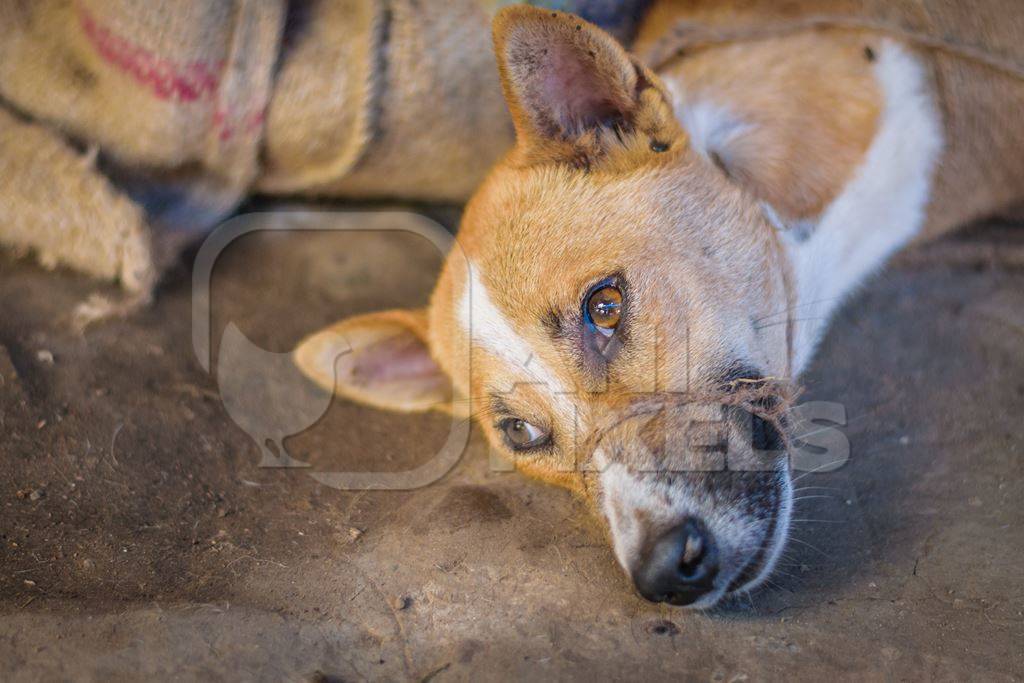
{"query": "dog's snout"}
pixel 681 566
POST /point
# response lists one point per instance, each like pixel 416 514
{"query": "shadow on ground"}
pixel 139 538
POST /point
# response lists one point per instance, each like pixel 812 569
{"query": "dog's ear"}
pixel 566 80
pixel 380 359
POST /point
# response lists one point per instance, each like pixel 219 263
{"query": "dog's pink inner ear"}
pixel 380 359
pixel 573 95
pixel 396 359
pixel 563 77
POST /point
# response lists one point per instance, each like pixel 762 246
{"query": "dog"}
pixel 663 248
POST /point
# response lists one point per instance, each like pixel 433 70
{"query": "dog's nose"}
pixel 681 565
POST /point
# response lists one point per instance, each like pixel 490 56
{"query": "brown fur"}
pixel 981 172
pixel 517 231
pixel 804 141
pixel 604 180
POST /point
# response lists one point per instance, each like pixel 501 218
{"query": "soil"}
pixel 141 538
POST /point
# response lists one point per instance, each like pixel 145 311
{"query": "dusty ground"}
pixel 140 538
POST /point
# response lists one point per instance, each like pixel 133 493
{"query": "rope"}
pixel 687 35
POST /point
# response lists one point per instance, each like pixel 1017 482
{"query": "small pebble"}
pixel 664 627
pixel 44 356
pixel 30 583
pixel 401 603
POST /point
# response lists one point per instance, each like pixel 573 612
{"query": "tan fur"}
pixel 981 172
pixel 633 91
pixel 604 180
pixel 518 229
pixel 537 214
pixel 804 138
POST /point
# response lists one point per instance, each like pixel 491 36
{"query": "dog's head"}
pixel 609 330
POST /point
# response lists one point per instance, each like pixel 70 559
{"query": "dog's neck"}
pixel 879 208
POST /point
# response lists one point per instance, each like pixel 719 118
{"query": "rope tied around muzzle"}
pixel 769 400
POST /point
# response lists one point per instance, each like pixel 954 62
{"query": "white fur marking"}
pixel 712 128
pixel 489 328
pixel 881 208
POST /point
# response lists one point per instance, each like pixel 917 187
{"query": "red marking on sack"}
pixel 166 78
pixel 254 121
pixel 227 124
pixel 220 122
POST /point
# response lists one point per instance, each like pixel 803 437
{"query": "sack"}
pixel 407 106
pixel 179 85
pixel 193 104
pixel 68 213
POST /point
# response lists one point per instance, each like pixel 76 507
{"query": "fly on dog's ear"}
pixel 380 359
pixel 568 84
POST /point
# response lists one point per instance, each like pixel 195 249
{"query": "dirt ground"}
pixel 140 537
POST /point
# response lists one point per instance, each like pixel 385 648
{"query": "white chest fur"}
pixel 880 210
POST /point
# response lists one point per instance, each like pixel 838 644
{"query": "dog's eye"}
pixel 604 307
pixel 604 312
pixel 522 435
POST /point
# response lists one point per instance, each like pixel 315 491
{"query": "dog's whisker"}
pixel 812 547
pixel 790 309
pixel 818 521
pixel 815 488
pixel 820 468
pixel 787 321
pixel 797 499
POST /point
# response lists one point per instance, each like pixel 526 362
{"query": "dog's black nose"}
pixel 681 565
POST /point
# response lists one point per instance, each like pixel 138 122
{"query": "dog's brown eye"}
pixel 604 322
pixel 521 434
pixel 605 307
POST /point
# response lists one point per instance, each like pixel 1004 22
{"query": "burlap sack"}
pixel 67 213
pixel 320 116
pixel 189 105
pixel 156 85
pixel 433 119
pixel 169 96
pixel 407 106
